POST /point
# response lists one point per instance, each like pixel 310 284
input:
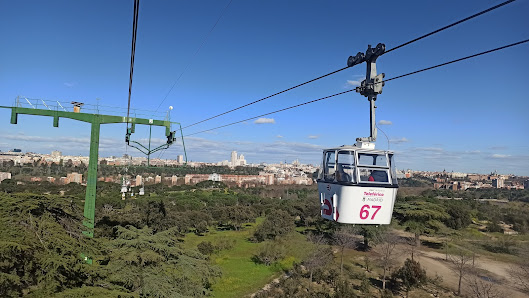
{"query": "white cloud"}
pixel 313 137
pixel 399 141
pixel 385 122
pixel 265 121
pixel 352 83
pixel 356 81
pixel 279 136
pixel 500 156
pixel 429 149
pixel 70 84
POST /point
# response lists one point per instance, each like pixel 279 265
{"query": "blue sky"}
pixel 470 116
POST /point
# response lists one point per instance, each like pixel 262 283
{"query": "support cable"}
pixel 457 60
pixel 451 25
pixel 254 102
pixel 194 55
pixel 391 79
pixel 133 51
pixel 281 110
pixel 336 71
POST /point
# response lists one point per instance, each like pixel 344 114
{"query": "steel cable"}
pixel 133 51
pixel 281 110
pixel 347 91
pixel 336 71
pixel 294 87
pixel 451 25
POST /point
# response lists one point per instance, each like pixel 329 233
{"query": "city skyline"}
pixel 432 120
pixel 178 160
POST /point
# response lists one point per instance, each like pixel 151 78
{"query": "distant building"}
pixel 56 153
pixel 158 179
pixel 15 150
pixel 50 179
pixel 180 159
pixel 4 176
pixel 526 184
pixel 75 178
pixel 215 177
pixel 241 161
pixel 234 158
pixel 498 182
pixel 139 180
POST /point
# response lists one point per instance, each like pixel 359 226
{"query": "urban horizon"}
pixel 234 156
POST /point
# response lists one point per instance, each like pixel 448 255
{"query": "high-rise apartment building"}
pixel 234 158
pixel 180 159
pixel 498 182
pixel 241 161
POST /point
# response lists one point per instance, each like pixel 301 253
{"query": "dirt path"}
pixel 435 264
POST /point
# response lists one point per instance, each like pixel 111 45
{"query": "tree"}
pixel 344 238
pixel 319 258
pixel 481 288
pixel 40 244
pixel 276 224
pixel 8 185
pixel 387 253
pixel 459 215
pixel 421 217
pixel 270 252
pixel 371 233
pixel 138 259
pixel 365 286
pixel 411 275
pixel 206 248
pixel 461 260
pixel 520 272
pixel 344 289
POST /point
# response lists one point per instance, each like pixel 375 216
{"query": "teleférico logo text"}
pixel 376 194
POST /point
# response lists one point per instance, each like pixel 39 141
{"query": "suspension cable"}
pixel 248 104
pixel 133 51
pixel 451 25
pixel 281 110
pixel 336 71
pixel 457 60
pixel 347 91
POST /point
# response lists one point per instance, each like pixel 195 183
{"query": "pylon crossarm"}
pixel 86 117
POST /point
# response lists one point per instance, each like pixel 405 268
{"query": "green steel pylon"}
pixel 95 120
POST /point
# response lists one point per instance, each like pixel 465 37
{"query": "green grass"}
pixel 240 275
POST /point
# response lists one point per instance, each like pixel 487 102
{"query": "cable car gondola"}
pixel 357 183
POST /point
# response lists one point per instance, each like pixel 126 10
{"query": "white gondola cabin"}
pixel 357 184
